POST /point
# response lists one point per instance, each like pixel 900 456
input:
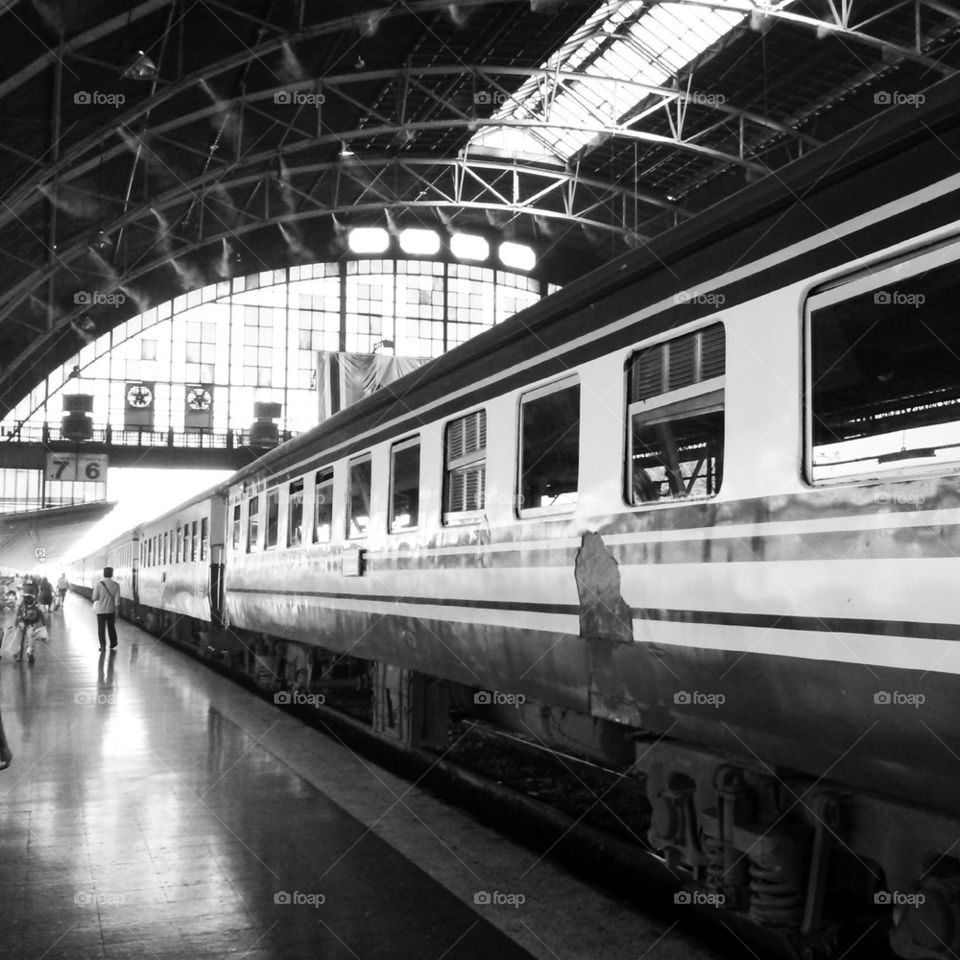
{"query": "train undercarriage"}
pixel 815 863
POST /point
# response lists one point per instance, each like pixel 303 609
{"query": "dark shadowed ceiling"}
pixel 158 146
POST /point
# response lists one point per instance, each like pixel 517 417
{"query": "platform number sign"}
pixel 77 467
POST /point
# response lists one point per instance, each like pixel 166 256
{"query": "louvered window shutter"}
pixel 466 468
pixel 677 363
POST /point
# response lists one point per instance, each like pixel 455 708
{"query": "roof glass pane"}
pixel 620 41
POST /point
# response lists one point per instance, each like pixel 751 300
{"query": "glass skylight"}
pixel 623 43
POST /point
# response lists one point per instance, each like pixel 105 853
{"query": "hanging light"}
pixel 142 68
pixel 469 246
pixel 517 255
pixel 368 240
pixel 419 242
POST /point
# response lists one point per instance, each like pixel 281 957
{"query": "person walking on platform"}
pixel 45 595
pixel 106 596
pixel 63 585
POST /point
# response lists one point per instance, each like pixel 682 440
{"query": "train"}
pixel 696 515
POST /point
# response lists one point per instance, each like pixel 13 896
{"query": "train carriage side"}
pixel 123 555
pixel 181 564
pixel 710 509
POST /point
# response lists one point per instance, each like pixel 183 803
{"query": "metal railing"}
pixel 139 437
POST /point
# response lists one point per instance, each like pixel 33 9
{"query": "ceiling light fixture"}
pixel 142 68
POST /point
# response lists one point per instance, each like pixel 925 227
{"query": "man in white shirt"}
pixel 106 596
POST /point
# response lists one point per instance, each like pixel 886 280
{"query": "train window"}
pixel 273 518
pixel 186 542
pixel 358 497
pixel 179 543
pixel 550 447
pixel 405 485
pixel 235 532
pixel 323 505
pixel 253 523
pixel 883 392
pixel 204 538
pixel 166 547
pixel 295 514
pixel 465 446
pixel 194 540
pixel 675 398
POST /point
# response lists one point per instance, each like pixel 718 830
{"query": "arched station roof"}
pixel 160 145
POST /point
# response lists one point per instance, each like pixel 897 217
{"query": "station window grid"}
pixel 255 338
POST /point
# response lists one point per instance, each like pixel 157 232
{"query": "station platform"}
pixel 154 809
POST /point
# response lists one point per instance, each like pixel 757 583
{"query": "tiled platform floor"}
pixel 139 821
pixel 155 810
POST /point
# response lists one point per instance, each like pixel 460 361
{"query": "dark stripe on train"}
pixel 719 618
pixel 568 608
pixel 913 629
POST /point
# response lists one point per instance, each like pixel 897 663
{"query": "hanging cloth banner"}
pixel 345 378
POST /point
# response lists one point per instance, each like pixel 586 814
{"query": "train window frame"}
pixel 524 400
pixel 401 446
pixel 179 553
pixel 295 496
pixel 166 548
pixel 363 460
pixel 236 528
pixel 194 546
pixel 460 466
pixel 271 522
pixel 253 525
pixel 896 278
pixel 325 500
pixel 701 397
pixel 204 538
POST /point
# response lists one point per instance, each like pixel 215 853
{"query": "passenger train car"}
pixel 698 513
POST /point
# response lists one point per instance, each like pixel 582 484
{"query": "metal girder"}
pixel 569 183
pixel 362 22
pixel 838 27
pixel 69 168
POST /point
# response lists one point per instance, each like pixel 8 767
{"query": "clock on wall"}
pixel 199 398
pixel 139 396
